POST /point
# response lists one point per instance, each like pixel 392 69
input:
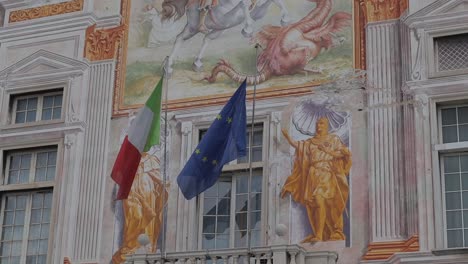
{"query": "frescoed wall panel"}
pixel 302 43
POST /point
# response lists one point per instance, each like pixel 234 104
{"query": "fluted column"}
pixel 93 171
pixel 386 165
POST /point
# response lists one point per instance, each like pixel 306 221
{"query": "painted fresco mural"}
pixel 210 45
pixel 142 212
pixel 318 183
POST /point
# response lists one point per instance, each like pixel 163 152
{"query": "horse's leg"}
pixel 198 64
pixel 285 18
pixel 184 35
pixel 247 31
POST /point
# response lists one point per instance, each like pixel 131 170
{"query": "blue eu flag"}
pixel 224 141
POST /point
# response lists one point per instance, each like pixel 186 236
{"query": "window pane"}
pixel 57 113
pixel 8 218
pixel 212 191
pixel 454 219
pixel 209 223
pixel 242 185
pixel 223 225
pixel 6 249
pixel 463 115
pixel 46 216
pixel 241 221
pixel 255 220
pixel 40 175
pixel 454 238
pixel 21 202
pixel 222 241
pixel 463 132
pixel 43 246
pixel 33 247
pixel 36 216
pixel 241 203
pixel 24 176
pixel 19 217
pixel 41 160
pixel 48 101
pixel 34 232
pixel 224 189
pixel 16 249
pixel 21 105
pixel 25 161
pixel 17 233
pixel 451 164
pixel 7 233
pixel 10 203
pixel 453 201
pixel 209 206
pixel 256 183
pixel 20 117
pixel 464 163
pixel 256 202
pixel 258 138
pixel 58 100
pixel 46 114
pixel 13 177
pixel 32 103
pixel 48 200
pixel 15 162
pixel 37 201
pixel 449 116
pixel 449 134
pixel 208 241
pixel 452 182
pixel 224 207
pixel 45 231
pixel 50 173
pixel 31 116
pixel 240 238
pixel 257 154
pixel 256 236
pixel 52 158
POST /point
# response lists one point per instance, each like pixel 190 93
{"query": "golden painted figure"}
pixel 143 209
pixel 318 181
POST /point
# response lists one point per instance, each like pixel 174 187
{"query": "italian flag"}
pixel 144 132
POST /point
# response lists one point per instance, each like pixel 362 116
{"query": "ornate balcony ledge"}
pixel 284 254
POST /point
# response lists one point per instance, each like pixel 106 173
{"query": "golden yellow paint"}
pixel 318 181
pixel 143 209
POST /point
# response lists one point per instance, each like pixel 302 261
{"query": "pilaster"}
pixel 385 130
pixel 93 174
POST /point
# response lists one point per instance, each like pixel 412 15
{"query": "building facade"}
pixel 356 139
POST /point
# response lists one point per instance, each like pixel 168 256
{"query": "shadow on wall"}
pixel 2 14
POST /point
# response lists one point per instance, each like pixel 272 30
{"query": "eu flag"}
pixel 224 141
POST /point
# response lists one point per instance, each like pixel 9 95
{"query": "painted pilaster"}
pixel 93 173
pixel 184 211
pixel 386 165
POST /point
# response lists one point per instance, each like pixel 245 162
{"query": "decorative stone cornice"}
pixel 102 44
pixel 46 10
pixel 384 250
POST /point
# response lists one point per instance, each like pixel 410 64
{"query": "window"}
pixel 453 131
pixel 224 207
pixel 452 52
pixel 26 204
pixel 37 107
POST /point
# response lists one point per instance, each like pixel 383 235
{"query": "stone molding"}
pixel 385 250
pixel 46 10
pixel 102 44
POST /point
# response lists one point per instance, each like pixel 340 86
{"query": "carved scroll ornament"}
pixel 379 10
pixel 46 10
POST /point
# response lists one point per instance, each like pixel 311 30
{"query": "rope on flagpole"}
pixel 163 220
pixel 249 228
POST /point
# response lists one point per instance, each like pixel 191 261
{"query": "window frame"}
pixel 432 52
pixel 439 151
pixel 33 187
pixel 40 100
pixel 232 169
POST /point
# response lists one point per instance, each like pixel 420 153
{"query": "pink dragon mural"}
pixel 289 48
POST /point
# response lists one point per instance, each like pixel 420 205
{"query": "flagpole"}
pixel 249 222
pixel 163 220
